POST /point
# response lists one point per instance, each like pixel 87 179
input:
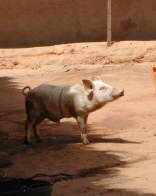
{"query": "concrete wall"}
pixel 34 22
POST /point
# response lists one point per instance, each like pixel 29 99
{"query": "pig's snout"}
pixel 122 93
pixel 117 93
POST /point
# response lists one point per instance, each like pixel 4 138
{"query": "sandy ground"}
pixel 121 159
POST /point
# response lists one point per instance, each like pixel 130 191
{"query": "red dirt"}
pixel 120 161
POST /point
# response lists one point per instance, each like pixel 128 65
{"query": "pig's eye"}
pixel 103 88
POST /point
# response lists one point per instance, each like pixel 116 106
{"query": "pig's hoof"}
pixel 86 141
pixel 39 140
pixel 26 141
pixel 58 122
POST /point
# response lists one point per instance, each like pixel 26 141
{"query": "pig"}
pixel 57 102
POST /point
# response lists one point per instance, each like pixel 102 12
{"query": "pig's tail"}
pixel 25 90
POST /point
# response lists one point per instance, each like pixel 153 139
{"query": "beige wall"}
pixel 30 22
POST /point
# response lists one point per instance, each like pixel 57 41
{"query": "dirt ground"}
pixel 121 159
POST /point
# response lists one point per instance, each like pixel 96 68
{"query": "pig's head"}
pixel 100 92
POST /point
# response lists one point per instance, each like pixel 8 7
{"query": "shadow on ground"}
pixel 11 111
pixel 61 151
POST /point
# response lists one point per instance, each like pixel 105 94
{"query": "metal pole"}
pixel 109 21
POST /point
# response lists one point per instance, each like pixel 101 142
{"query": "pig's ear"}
pixel 95 78
pixel 87 84
pixel 90 95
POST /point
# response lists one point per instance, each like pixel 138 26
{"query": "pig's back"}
pixel 47 90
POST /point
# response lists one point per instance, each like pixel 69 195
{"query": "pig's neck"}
pixel 93 105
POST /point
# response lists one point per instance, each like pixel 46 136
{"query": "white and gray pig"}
pixel 57 102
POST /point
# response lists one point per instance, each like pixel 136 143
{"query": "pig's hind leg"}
pixel 36 129
pixel 31 125
pixel 28 130
pixel 34 117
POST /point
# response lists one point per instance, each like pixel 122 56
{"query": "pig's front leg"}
pixel 28 130
pixel 82 122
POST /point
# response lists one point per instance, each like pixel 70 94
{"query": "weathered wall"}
pixel 30 22
pixel 134 19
